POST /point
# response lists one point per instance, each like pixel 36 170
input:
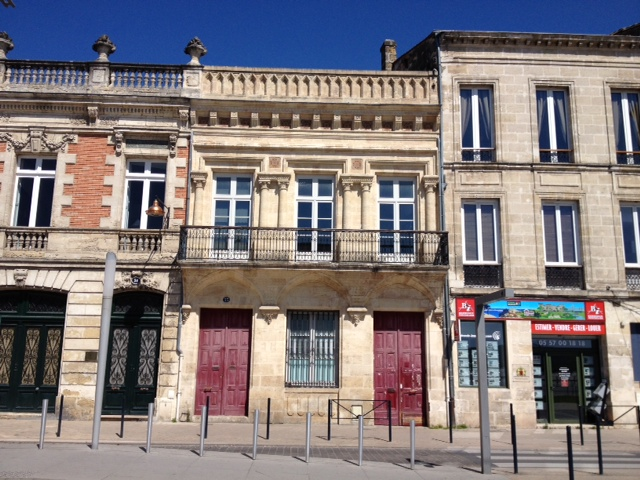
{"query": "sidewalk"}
pixel 175 449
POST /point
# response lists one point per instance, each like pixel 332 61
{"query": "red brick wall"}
pixel 88 187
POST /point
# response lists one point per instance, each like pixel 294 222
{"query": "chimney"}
pixel 389 54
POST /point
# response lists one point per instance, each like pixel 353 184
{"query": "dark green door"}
pixel 31 332
pixel 134 347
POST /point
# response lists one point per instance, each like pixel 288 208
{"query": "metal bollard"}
pixel 268 416
pixel 599 441
pixel 206 423
pixel 308 444
pixel 581 422
pixel 124 400
pixel 256 422
pixel 203 422
pixel 329 421
pixel 412 441
pixel 59 432
pixel 149 427
pixel 514 441
pixel 360 439
pixel 43 423
pixel 570 453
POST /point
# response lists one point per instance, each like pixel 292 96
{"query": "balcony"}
pixel 478 155
pixel 65 244
pixel 483 276
pixel 556 156
pixel 633 279
pixel 628 158
pixel 565 277
pixel 317 248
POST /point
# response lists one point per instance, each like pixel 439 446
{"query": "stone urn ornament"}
pixel 105 47
pixel 195 49
pixel 6 45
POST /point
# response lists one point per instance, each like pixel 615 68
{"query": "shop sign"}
pixel 535 310
pixel 538 328
pixel 465 308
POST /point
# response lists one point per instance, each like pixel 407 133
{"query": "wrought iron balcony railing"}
pixel 289 245
pixel 556 156
pixel 628 158
pixel 565 277
pixel 633 279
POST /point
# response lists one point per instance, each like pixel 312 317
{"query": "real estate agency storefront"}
pixel 566 363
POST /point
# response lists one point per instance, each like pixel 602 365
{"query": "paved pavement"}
pixel 228 453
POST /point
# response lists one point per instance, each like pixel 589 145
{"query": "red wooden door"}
pixel 398 366
pixel 223 361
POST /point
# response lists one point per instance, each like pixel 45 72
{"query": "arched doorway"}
pixel 134 346
pixel 31 333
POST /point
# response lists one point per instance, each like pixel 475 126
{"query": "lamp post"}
pixel 157 210
pixel 483 388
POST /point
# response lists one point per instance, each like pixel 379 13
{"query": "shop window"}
pixel 468 355
pixel 145 183
pixel 477 124
pixel 312 349
pixel 480 223
pixel 554 126
pixel 33 199
pixel 626 123
pixel 635 350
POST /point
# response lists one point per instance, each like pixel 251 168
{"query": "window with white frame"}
pixel 481 231
pixel 145 183
pixel 630 234
pixel 312 349
pixel 561 234
pixel 232 208
pixel 477 124
pixel 626 123
pixel 33 198
pixel 397 215
pixel 314 198
pixel 554 126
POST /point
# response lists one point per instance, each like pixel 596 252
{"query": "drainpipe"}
pixel 179 350
pixel 446 311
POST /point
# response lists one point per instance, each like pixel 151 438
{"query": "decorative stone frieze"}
pixel 281 180
pixel 92 110
pixel 199 179
pixel 173 140
pixel 118 139
pixel 185 311
pixel 269 313
pixel 20 276
pixel 136 279
pixel 356 315
pixel 38 141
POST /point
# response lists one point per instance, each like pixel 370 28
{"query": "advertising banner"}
pixel 534 310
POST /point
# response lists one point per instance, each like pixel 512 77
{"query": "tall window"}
pixel 626 123
pixel 476 109
pixel 312 349
pixel 145 183
pixel 561 239
pixel 397 213
pixel 635 350
pixel 315 211
pixel 480 232
pixel 232 208
pixel 630 235
pixel 554 134
pixel 34 192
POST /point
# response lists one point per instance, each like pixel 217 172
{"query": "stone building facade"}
pixel 540 154
pixel 298 257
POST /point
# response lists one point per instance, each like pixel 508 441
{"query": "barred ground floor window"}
pixel 312 349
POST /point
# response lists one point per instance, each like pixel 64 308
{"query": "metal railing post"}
pixel 203 422
pixel 389 416
pixel 256 422
pixel 124 402
pixel 268 416
pixel 412 441
pixel 206 423
pixel 149 427
pixel 360 439
pixel 43 422
pixel 308 442
pixel 581 422
pixel 60 416
pixel 329 421
pixel 514 441
pixel 570 452
pixel 599 442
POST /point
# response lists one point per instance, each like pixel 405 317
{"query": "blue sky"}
pixel 318 34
